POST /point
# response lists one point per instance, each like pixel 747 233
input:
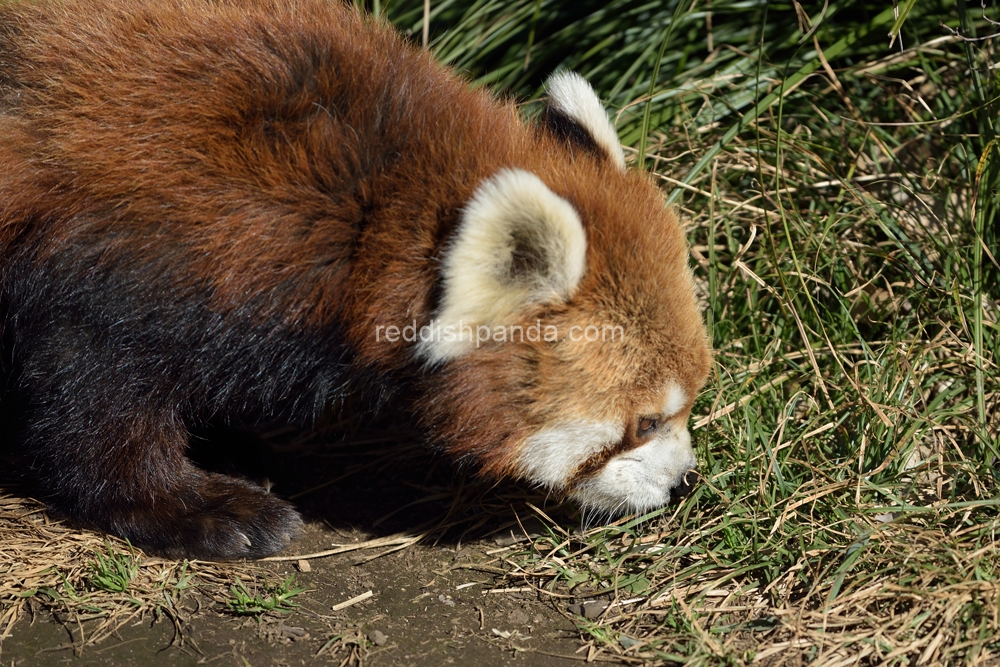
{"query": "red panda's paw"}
pixel 223 518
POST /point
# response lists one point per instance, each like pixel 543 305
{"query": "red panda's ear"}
pixel 518 244
pixel 575 114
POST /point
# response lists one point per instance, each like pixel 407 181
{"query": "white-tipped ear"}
pixel 572 98
pixel 518 244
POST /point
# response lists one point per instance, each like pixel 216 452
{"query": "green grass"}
pixel 839 186
pixel 262 600
pixel 114 571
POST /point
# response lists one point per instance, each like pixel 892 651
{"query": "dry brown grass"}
pixel 46 566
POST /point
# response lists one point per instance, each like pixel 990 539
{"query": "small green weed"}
pixel 113 572
pixel 272 598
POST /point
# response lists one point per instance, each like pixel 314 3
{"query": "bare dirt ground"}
pixel 445 599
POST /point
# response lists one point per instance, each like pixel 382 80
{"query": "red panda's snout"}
pixel 608 469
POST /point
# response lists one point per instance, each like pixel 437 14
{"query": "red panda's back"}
pixel 262 137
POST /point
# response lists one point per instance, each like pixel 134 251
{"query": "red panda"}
pixel 211 208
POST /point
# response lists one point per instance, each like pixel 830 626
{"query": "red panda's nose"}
pixel 683 487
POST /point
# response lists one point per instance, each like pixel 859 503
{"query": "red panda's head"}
pixel 567 348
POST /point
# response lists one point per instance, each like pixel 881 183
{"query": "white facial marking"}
pixel 640 480
pixel 674 401
pixel 551 456
pixel 509 210
pixel 570 94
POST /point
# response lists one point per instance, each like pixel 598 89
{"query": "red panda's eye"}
pixel 646 424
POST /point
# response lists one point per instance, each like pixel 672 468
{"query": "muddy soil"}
pixel 419 614
pixel 437 602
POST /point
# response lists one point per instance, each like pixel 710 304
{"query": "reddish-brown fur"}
pixel 297 157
